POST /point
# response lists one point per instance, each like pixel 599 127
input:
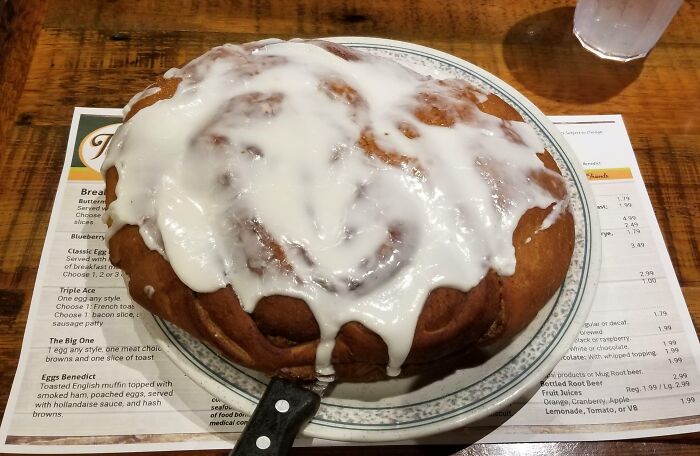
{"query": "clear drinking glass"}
pixel 622 30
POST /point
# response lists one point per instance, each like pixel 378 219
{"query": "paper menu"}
pixel 633 370
pixel 91 380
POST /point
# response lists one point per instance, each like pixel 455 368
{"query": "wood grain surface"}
pixel 55 55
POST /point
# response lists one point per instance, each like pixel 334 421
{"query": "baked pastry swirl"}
pixel 312 210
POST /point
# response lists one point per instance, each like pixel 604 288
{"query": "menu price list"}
pixel 633 361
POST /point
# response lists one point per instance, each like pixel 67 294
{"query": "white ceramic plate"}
pixel 416 407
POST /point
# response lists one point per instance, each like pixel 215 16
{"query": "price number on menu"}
pixel 671 347
pixel 681 380
pixel 631 224
pixel 624 201
pixel 688 400
pixel 647 277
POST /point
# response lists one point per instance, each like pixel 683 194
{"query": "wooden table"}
pixel 59 54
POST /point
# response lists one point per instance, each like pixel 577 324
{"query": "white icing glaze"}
pixel 252 147
pixel 149 291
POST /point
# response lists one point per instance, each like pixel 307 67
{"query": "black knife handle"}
pixel 282 410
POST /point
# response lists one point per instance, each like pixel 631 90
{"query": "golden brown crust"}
pixel 281 335
pixel 167 88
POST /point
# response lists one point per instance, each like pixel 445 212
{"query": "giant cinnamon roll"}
pixel 309 210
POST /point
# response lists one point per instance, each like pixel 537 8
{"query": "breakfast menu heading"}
pixel 92 379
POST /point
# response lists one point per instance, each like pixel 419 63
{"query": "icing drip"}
pixel 282 168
